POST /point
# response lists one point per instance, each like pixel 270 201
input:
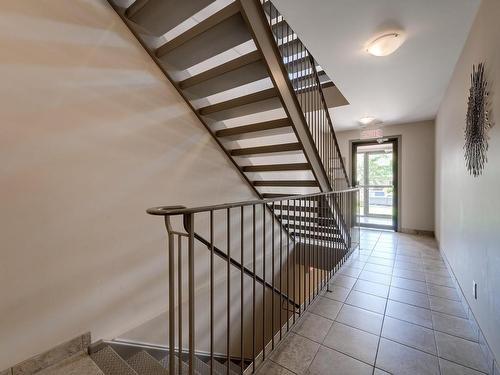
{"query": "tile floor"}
pixel 393 309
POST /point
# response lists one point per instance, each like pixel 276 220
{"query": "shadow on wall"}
pixel 92 134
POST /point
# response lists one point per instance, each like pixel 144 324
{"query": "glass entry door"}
pixel 375 172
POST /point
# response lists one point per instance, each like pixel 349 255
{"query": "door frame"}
pixel 396 177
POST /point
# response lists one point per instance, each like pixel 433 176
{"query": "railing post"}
pixel 171 296
pixel 190 221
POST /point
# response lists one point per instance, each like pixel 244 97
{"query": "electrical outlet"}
pixel 474 289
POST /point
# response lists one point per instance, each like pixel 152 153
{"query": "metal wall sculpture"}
pixel 477 123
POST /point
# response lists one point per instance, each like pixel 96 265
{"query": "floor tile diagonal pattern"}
pixel 393 309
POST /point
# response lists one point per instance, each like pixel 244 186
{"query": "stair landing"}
pixel 79 364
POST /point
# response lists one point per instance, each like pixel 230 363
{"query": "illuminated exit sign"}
pixel 371 133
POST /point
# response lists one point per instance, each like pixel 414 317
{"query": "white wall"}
pixel 468 208
pixel 417 171
pixel 91 134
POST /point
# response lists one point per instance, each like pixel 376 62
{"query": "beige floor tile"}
pixel 366 301
pixel 352 341
pixel 326 308
pixel 386 270
pixel 450 368
pixel 461 351
pixel 398 359
pixel 376 289
pixel 345 281
pixel 358 318
pixel 417 337
pixel 295 353
pixel 447 306
pixel 337 293
pixel 443 292
pixel 413 285
pixel 331 362
pixel 313 327
pixel 375 277
pixel 409 274
pixel 409 297
pixel 440 280
pixel 409 313
pixel 271 368
pixel 454 325
pixel 349 271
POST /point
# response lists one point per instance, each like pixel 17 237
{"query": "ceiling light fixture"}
pixel 385 44
pixel 366 120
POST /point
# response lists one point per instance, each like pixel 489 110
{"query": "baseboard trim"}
pixel 50 357
pixel 493 363
pixel 418 232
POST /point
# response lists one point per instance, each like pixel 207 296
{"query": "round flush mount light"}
pixel 366 120
pixel 385 44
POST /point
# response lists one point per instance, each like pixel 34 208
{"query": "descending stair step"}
pixel 135 7
pixel 227 67
pixel 158 17
pixel 111 363
pixel 282 29
pixel 144 364
pixel 165 364
pixel 240 101
pixel 297 208
pixel 220 38
pixel 221 369
pixel 261 126
pixel 313 228
pixel 303 219
pixel 285 147
pixel 200 28
pixel 316 237
pixel 309 79
pixel 277 167
pixel 296 183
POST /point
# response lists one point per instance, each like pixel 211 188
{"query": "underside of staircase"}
pixel 261 95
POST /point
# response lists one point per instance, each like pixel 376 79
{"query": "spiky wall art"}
pixel 477 123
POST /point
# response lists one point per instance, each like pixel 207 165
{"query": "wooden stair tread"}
pixel 296 183
pixel 198 29
pixel 240 101
pixel 221 69
pixel 267 149
pixel 260 126
pixel 277 167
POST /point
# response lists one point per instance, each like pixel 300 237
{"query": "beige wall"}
pixel 468 208
pixel 417 171
pixel 91 134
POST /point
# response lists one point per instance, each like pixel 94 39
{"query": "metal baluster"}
pixel 253 296
pixel 281 270
pixel 228 333
pixel 288 271
pixel 242 300
pixel 294 253
pixel 191 293
pixel 171 303
pixel 264 282
pixel 272 280
pixel 211 292
pixel 179 293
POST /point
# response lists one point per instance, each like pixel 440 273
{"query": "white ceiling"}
pixel 404 87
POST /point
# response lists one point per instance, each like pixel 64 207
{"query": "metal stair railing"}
pixel 244 302
pixel 305 80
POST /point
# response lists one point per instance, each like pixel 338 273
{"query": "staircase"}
pixel 122 359
pixel 264 99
